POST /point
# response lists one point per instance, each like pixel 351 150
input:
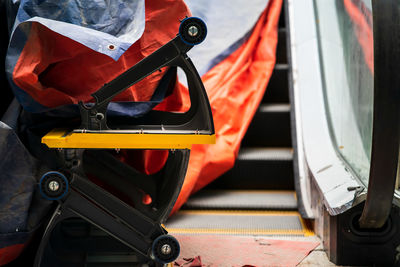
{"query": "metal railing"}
pixel 386 116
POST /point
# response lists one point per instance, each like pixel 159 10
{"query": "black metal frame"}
pixel 137 225
pixel 386 120
pixel 127 218
pixel 198 119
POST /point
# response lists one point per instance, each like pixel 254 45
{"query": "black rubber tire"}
pixel 44 185
pixel 184 31
pixel 161 241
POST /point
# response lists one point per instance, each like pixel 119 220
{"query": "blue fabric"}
pixel 98 24
pixel 229 23
pixel 14 50
pixel 93 23
pixel 17 179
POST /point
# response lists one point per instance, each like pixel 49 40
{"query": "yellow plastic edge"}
pixel 62 138
pixel 235 231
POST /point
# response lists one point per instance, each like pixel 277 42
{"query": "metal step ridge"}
pixel 242 200
pixel 265 153
pixel 281 66
pixel 275 107
pixel 243 222
pixel 278 86
pixel 258 168
pixel 270 127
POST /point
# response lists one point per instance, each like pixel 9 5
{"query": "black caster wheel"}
pixel 53 185
pixel 165 249
pixel 192 31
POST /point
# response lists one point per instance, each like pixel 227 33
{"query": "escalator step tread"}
pixel 270 127
pixel 281 54
pixel 278 107
pixel 281 66
pixel 278 86
pixel 243 199
pixel 259 168
pixel 265 153
pixel 237 223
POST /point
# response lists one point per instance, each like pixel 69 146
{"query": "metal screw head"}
pixel 99 116
pixel 54 185
pixel 166 249
pixel 193 31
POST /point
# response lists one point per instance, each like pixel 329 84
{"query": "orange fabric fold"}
pixel 235 88
pixel 55 70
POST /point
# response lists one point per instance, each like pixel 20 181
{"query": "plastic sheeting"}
pixel 235 87
pixel 21 208
pixel 52 62
pixel 49 71
pixel 57 57
pixel 93 23
pixel 229 24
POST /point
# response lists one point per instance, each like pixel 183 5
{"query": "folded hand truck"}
pixel 129 222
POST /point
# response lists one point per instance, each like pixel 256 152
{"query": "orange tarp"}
pixel 235 88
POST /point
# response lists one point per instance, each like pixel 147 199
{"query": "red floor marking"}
pixel 223 250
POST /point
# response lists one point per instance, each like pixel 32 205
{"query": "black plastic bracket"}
pixel 135 225
pixel 90 173
pixel 173 54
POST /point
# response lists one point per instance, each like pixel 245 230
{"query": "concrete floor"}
pixel 317 257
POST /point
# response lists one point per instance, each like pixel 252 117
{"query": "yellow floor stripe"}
pixel 305 231
pixel 252 191
pixel 239 212
pixel 236 231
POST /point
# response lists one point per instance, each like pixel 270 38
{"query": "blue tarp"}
pixel 93 23
pixel 97 25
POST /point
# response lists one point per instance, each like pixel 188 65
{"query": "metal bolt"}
pixel 99 116
pixel 166 249
pixel 193 31
pixel 54 185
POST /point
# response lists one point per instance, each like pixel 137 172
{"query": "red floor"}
pixel 224 250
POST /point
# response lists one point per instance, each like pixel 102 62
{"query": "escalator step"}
pixel 281 54
pixel 238 223
pixel 282 22
pixel 243 200
pixel 278 88
pixel 266 154
pixel 259 169
pixel 275 108
pixel 270 127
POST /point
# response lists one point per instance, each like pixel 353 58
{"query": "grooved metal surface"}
pixel 261 153
pixel 237 222
pixel 274 107
pixel 281 66
pixel 243 199
pixel 270 127
pixel 277 89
